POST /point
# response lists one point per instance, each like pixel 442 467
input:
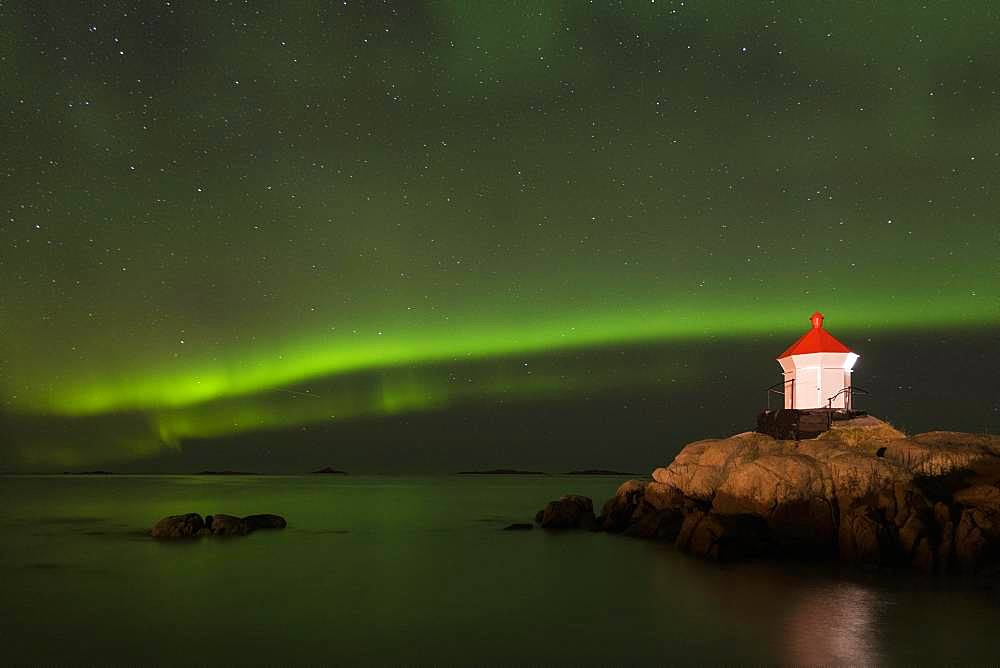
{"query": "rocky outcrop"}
pixel 862 492
pixel 568 512
pixel 192 525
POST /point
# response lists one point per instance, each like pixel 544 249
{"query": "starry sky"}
pixel 425 235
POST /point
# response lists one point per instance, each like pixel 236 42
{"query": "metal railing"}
pixel 773 390
pixel 848 393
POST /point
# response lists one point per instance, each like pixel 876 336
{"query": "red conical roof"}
pixel 816 340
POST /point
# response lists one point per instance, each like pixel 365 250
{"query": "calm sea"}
pixel 417 570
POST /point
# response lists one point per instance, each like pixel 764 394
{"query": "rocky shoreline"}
pixel 862 492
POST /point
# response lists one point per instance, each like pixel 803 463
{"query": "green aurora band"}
pixel 254 372
pixel 231 219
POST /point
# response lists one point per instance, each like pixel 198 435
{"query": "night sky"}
pixel 431 236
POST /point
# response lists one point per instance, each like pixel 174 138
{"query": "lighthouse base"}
pixel 796 424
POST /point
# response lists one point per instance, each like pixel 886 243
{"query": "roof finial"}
pixel 817 320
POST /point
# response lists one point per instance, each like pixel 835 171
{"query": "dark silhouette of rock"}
pixel 568 512
pixel 178 526
pixel 329 470
pixel 226 525
pixel 518 526
pixel 264 521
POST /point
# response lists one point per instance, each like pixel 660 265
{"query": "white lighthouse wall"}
pixel 788 371
pixel 812 379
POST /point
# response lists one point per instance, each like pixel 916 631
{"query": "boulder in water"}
pixel 226 525
pixel 192 525
pixel 178 526
pixel 568 512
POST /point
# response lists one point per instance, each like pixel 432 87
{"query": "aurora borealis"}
pixel 224 220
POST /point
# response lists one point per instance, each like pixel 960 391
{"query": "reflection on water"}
pixel 833 624
pixel 391 570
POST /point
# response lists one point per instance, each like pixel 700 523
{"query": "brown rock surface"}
pixel 178 526
pixel 617 512
pixel 863 492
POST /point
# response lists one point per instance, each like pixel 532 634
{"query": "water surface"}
pixel 387 569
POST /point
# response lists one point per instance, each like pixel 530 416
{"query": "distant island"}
pixel 227 472
pixel 502 472
pixel 599 472
pixel 329 470
pixel 88 473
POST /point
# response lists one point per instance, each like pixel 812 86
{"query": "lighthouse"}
pixel 817 370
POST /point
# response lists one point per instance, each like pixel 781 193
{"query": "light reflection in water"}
pixel 834 623
pixel 794 614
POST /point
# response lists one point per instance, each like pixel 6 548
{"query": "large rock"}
pixel 939 453
pixel 568 512
pixel 178 526
pixel 660 496
pixel 702 466
pixel 862 491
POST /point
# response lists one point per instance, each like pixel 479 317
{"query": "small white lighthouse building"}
pixel 817 370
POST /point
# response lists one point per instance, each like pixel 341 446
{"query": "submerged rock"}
pixel 568 512
pixel 518 526
pixel 178 526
